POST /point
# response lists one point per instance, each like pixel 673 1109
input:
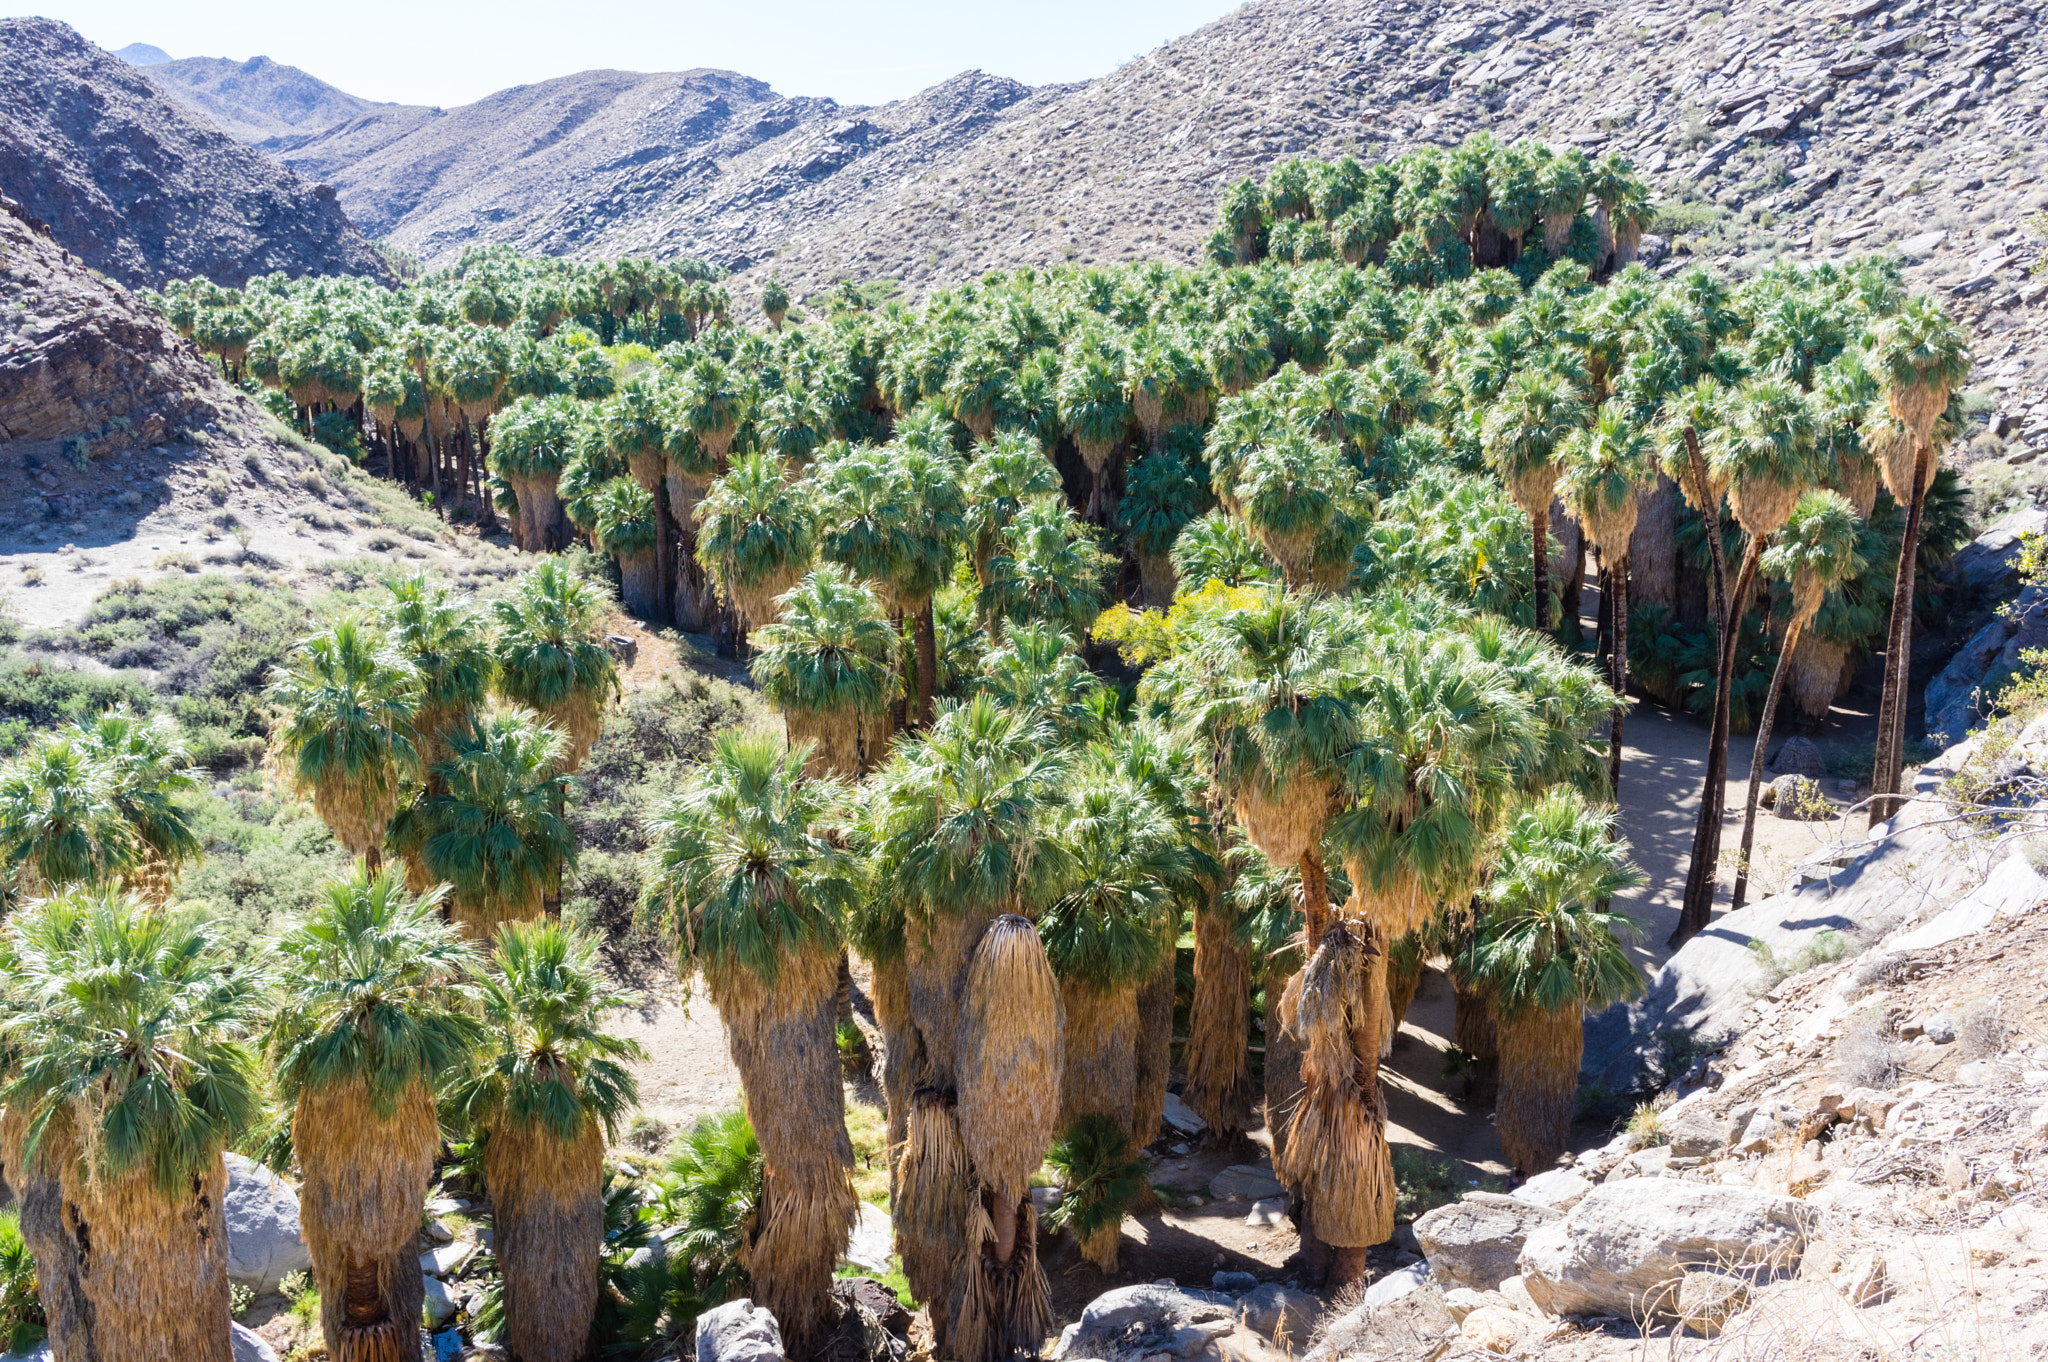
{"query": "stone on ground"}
pixel 1246 1181
pixel 1280 1313
pixel 262 1214
pixel 872 1237
pixel 738 1331
pixel 1475 1242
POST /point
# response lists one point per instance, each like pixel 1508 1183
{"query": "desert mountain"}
pixel 142 54
pixel 143 190
pixel 258 100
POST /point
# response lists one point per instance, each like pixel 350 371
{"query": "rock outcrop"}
pixel 264 1240
pixel 143 190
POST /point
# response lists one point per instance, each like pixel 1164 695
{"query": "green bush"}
pixel 1097 1173
pixel 36 695
pixel 265 862
pixel 21 1303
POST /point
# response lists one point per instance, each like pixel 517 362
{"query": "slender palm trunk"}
pixel 925 625
pixel 1539 537
pixel 1616 605
pixel 1315 897
pixel 1703 876
pixel 1898 657
pixel 1698 904
pixel 1756 760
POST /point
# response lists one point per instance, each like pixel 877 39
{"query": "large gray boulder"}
pixel 1137 1320
pixel 1410 1327
pixel 263 1226
pixel 738 1331
pixel 250 1346
pixel 1626 1247
pixel 1477 1242
pixel 1282 1314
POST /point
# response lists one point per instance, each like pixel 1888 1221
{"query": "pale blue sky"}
pixel 420 52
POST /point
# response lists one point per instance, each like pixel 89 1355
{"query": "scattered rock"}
pixel 1801 757
pixel 1463 1300
pixel 1694 1133
pixel 1941 1028
pixel 262 1214
pixel 447 1260
pixel 1410 1327
pixel 1706 1300
pixel 1284 1315
pixel 1114 1319
pixel 1622 1249
pixel 1560 1189
pixel 860 1335
pixel 439 1302
pixel 1644 1163
pixel 1396 1284
pixel 738 1331
pixel 1246 1181
pixel 872 1241
pixel 1493 1329
pixel 1271 1210
pixel 1798 799
pixel 1476 1242
pixel 1182 1117
pixel 436 1232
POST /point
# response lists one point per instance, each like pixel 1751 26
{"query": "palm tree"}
pixel 551 1093
pixel 1218 547
pixel 1046 567
pixel 634 423
pixel 550 657
pixel 347 736
pixel 1764 453
pixel 1605 468
pixel 1923 357
pixel 490 824
pixel 59 824
pixel 444 639
pixel 1160 498
pixel 128 1030
pixel 934 509
pixel 758 897
pixel 1105 937
pixel 1549 954
pixel 1299 496
pixel 828 665
pixel 1816 551
pixel 755 535
pixel 532 441
pixel 960 822
pixel 1095 409
pixel 1002 480
pixel 774 302
pixel 1523 433
pixel 373 1014
pixel 141 764
pixel 624 526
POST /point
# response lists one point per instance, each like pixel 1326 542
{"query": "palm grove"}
pixel 1348 474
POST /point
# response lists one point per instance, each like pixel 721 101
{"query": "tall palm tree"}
pixel 1105 937
pixel 758 898
pixel 1605 468
pixel 624 527
pixel 1765 454
pixel 532 441
pixel 1816 551
pixel 1300 497
pixel 1046 567
pixel 961 824
pixel 128 1031
pixel 347 736
pixel 59 824
pixel 551 657
pixel 551 1093
pixel 1923 357
pixel 1549 954
pixel 141 764
pixel 373 1014
pixel 635 425
pixel 1002 480
pixel 934 519
pixel 1160 498
pixel 755 535
pixel 445 640
pixel 490 824
pixel 1095 408
pixel 1522 434
pixel 828 666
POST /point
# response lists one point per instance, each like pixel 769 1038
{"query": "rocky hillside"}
pixel 143 190
pixel 258 99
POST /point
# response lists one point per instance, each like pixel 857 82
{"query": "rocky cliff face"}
pixel 143 190
pixel 258 99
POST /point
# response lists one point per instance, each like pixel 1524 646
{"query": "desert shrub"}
pixel 1826 947
pixel 1866 1056
pixel 36 695
pixel 266 861
pixel 21 1304
pixel 1422 1183
pixel 1981 1031
pixel 647 1133
pixel 1647 1125
pixel 1098 1175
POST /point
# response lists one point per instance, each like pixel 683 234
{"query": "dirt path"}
pixel 687 1073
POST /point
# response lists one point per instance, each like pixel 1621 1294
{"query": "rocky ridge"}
pixel 257 100
pixel 141 189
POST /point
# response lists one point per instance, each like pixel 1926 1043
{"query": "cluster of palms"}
pixel 1334 467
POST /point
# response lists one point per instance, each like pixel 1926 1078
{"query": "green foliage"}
pixel 1827 946
pixel 1098 1174
pixel 22 1322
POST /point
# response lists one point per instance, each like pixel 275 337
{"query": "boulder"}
pixel 1395 1285
pixel 1653 1162
pixel 738 1331
pixel 1493 1329
pixel 262 1213
pixel 1182 1117
pixel 1411 1327
pixel 1801 757
pixel 1625 1248
pixel 447 1260
pixel 1560 1189
pixel 1941 1028
pixel 860 1334
pixel 872 1241
pixel 1798 799
pixel 1233 1283
pixel 1135 1320
pixel 1475 1242
pixel 1270 1210
pixel 250 1346
pixel 1694 1133
pixel 439 1302
pixel 1284 1315
pixel 877 1299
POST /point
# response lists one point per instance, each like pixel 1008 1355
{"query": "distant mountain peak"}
pixel 143 54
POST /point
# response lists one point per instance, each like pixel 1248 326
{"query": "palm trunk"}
pixel 1154 1058
pixel 43 1229
pixel 1473 1028
pixel 152 1271
pixel 1099 1078
pixel 1698 903
pixel 1315 897
pixel 1539 1078
pixel 1891 713
pixel 1539 537
pixel 1756 760
pixel 1703 876
pixel 547 1197
pixel 926 627
pixel 1219 1085
pixel 1617 609
pixel 664 554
